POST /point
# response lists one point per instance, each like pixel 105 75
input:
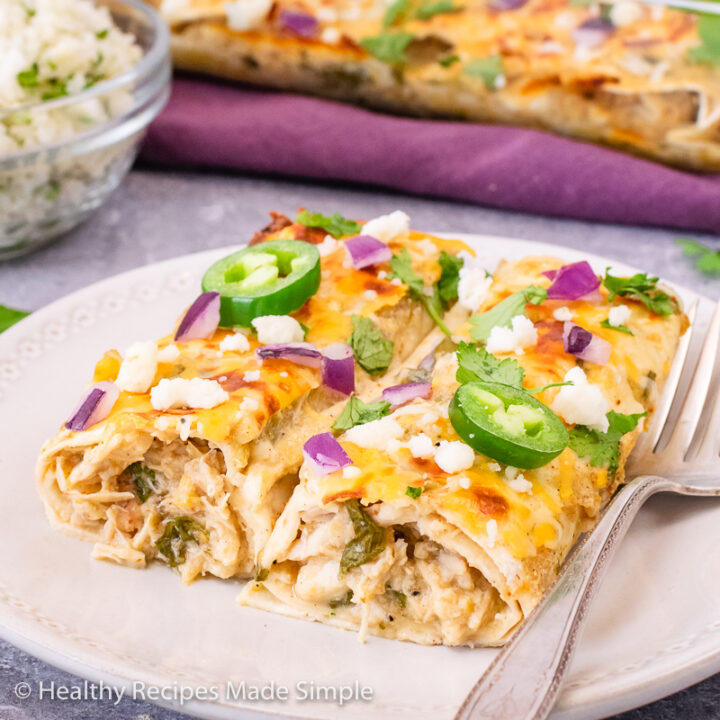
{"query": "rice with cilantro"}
pixel 53 49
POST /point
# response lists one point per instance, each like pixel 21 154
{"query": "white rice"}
pixel 57 47
pixel 54 48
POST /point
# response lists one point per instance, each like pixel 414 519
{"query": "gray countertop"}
pixel 155 216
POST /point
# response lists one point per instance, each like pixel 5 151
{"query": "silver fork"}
pixel 524 679
pixel 703 6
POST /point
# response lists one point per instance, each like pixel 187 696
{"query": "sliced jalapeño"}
pixel 507 424
pixel 272 278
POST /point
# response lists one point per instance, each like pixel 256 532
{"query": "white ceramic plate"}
pixel 654 628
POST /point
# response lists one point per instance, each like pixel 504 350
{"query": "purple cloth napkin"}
pixel 211 124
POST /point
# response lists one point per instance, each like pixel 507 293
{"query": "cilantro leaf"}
pixel 388 47
pixel 402 269
pixel 489 69
pixel 708 27
pixel 401 265
pixel 9 316
pixel 55 89
pixel 396 13
pixel 534 294
pixel 335 224
pixel 640 287
pixel 476 363
pixel 603 449
pixel 450 60
pixel 372 350
pixel 692 247
pixel 620 328
pixel 357 412
pixel 102 34
pixel 707 260
pixel 502 314
pixel 52 88
pixel 29 78
pixel 542 388
pixel 447 285
pixel 429 10
pixel 413 492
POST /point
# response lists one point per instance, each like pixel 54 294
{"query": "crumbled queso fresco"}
pixel 278 329
pixel 182 393
pixel 387 227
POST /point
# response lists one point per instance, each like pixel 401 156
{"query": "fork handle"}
pixel 524 679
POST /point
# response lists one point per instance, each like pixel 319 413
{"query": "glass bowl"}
pixel 47 190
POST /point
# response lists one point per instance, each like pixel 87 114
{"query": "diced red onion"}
pixel 594 297
pixel 507 4
pixel 572 282
pixel 593 32
pixel 325 454
pixel 300 353
pixel 201 319
pixel 366 250
pixel 95 406
pixel 401 394
pixel 338 368
pixel 583 344
pixel 428 362
pixel 298 22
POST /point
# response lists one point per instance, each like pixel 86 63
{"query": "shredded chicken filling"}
pixel 172 504
pixel 414 579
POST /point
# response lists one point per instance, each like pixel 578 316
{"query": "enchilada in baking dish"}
pixel 631 75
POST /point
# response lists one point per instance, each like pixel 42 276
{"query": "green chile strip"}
pixel 178 532
pixel 143 478
pixel 369 541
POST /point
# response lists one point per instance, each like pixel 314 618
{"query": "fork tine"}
pixel 709 447
pixel 647 442
pixel 697 394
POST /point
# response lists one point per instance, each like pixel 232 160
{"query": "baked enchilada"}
pixel 381 432
pixel 186 449
pixel 444 518
pixel 639 77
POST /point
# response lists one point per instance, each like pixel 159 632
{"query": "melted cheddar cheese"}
pixel 224 469
pixel 527 521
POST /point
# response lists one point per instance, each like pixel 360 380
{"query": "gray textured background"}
pixel 155 216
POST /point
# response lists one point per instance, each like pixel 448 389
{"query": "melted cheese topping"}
pixel 539 43
pixel 343 292
pixel 280 383
pixel 525 521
